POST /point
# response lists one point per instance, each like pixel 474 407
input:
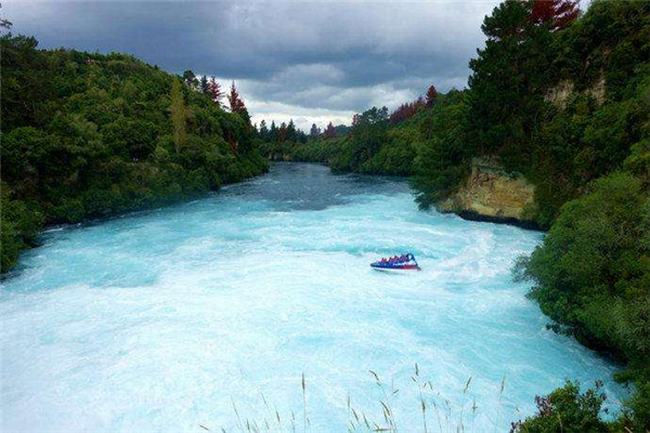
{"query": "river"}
pixel 208 313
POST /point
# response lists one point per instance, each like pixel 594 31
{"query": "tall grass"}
pixel 436 412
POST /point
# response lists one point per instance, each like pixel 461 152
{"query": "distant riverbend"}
pixel 163 320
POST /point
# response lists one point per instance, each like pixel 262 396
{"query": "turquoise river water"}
pixel 206 314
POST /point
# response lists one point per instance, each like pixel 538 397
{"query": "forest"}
pixel 91 136
pixel 563 97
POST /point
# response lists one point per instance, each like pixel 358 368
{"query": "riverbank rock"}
pixel 492 194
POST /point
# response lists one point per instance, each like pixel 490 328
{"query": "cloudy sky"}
pixel 311 61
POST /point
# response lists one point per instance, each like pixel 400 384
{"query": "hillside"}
pixel 86 135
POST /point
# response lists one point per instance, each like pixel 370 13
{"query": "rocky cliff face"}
pixel 491 194
pixel 559 95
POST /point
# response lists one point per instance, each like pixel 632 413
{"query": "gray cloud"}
pixel 300 57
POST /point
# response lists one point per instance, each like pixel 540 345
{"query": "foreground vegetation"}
pixel 565 100
pixel 566 410
pixel 88 135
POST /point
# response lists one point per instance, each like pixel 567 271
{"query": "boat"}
pixel 405 262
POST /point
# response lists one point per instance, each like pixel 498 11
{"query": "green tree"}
pixel 178 116
pixel 566 410
pixel 592 276
pixel 190 79
pixel 442 159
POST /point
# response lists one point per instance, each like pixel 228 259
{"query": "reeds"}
pixel 304 403
pixel 502 387
pixel 435 411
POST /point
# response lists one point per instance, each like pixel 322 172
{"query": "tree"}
pixel 205 85
pixel 178 116
pixel 301 137
pixel 442 158
pixel 566 410
pixel 431 96
pixel 190 79
pixel 273 132
pixel 314 132
pixel 508 20
pixel 20 225
pixel 368 134
pixel 131 138
pixel 282 133
pixel 291 131
pixel 557 14
pixel 235 101
pixel 404 111
pixel 591 276
pixel 507 88
pixel 587 278
pixel 329 132
pixel 264 130
pixel 215 92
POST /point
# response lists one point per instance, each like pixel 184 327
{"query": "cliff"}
pixel 559 95
pixel 492 194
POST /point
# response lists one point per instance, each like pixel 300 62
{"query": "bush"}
pixel 592 276
pixel 566 410
pixel 20 225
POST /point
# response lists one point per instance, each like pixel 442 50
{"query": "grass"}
pixel 437 414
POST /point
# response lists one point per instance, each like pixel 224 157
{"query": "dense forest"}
pixel 88 135
pixel 562 97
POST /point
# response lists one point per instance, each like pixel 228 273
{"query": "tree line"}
pixel 86 135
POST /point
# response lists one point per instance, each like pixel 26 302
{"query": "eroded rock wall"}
pixel 492 194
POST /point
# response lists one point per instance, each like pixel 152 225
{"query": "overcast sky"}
pixel 310 61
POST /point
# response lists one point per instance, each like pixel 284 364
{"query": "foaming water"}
pixel 162 321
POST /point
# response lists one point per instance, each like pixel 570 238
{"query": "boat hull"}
pixel 396 269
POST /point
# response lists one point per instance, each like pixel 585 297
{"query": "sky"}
pixel 315 62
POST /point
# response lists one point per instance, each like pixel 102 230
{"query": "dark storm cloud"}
pixel 336 56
